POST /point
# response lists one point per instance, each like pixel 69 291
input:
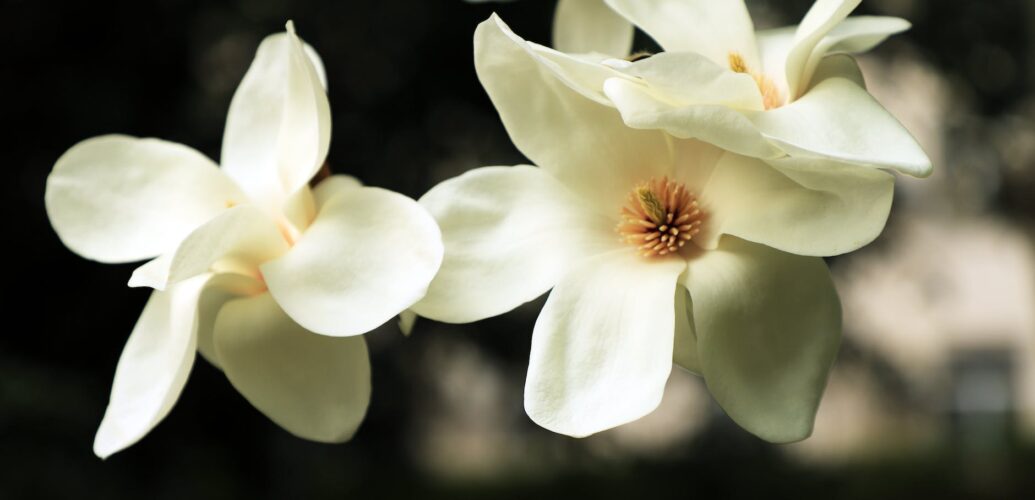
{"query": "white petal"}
pixel 816 207
pixel 333 186
pixel 602 346
pixel 819 20
pixel 407 319
pixel 316 387
pixel 684 352
pixel 581 26
pixel 688 78
pixel 116 198
pixel 582 143
pixel 369 255
pixel 859 34
pixel 711 28
pixel 278 128
pixel 838 66
pixel 716 124
pixel 509 234
pixel 220 289
pixel 153 367
pixel 840 120
pixel 239 239
pixel 768 327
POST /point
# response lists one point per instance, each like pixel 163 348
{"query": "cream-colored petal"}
pixel 278 128
pixel 818 22
pixel 688 78
pixel 116 198
pixel 220 289
pixel 369 255
pixel 840 120
pixel 684 352
pixel 859 34
pixel 407 320
pixel 582 143
pixel 581 26
pixel 333 186
pixel 239 240
pixel 768 327
pixel 602 347
pixel 711 28
pixel 153 367
pixel 315 387
pixel 509 234
pixel 805 207
pixel 838 66
pixel 716 124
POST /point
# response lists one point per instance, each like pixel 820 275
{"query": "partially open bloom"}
pixel 272 281
pixel 791 91
pixel 656 249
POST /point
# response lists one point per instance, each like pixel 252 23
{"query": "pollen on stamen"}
pixel 771 97
pixel 660 217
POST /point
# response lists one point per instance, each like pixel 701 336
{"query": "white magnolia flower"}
pixel 790 91
pixel 656 248
pixel 253 261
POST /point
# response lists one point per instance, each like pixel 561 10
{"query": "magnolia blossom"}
pixel 272 281
pixel 769 94
pixel 656 249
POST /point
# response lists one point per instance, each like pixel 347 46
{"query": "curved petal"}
pixel 711 28
pixel 817 23
pixel 816 208
pixel 716 124
pixel 768 327
pixel 153 367
pixel 278 127
pixel 687 78
pixel 859 34
pixel 581 26
pixel 116 198
pixel 315 387
pixel 407 320
pixel 684 351
pixel 509 233
pixel 582 143
pixel 239 239
pixel 602 346
pixel 332 187
pixel 838 66
pixel 829 121
pixel 369 254
pixel 220 289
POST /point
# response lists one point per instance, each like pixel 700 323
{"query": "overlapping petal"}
pixel 369 254
pixel 278 127
pixel 239 239
pixel 768 327
pixel 316 387
pixel 602 347
pixel 153 367
pixel 838 119
pixel 583 144
pixel 807 208
pixel 802 57
pixel 684 351
pixel 707 27
pixel 117 198
pixel 581 26
pixel 509 234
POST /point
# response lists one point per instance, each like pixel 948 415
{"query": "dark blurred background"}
pixel 934 394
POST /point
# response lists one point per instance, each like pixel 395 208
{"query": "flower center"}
pixel 771 97
pixel 660 217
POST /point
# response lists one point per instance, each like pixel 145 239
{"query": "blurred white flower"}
pixel 791 91
pixel 716 263
pixel 252 261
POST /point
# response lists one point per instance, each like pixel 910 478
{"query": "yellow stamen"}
pixel 660 217
pixel 771 97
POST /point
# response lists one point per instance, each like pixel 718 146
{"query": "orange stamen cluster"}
pixel 660 217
